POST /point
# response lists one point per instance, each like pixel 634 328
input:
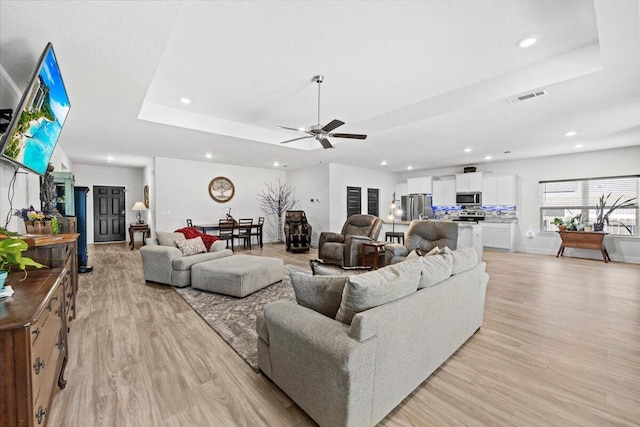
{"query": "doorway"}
pixel 108 214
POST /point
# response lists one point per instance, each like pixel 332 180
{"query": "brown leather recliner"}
pixel 345 249
pixel 423 235
pixel 297 231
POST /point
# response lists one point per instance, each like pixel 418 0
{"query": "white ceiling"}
pixel 423 79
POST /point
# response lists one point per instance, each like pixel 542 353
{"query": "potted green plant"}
pixel 602 217
pixel 562 225
pixel 573 222
pixel 11 248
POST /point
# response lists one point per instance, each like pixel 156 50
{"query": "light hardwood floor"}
pixel 560 346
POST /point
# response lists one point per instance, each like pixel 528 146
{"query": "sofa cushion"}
pixel 435 269
pixel 319 293
pixel 168 239
pixel 218 245
pixel 319 268
pixel 185 262
pixel 368 290
pixel 463 259
pixel 191 246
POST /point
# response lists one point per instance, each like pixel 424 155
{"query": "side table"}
pixel 371 254
pixel 583 240
pixel 138 228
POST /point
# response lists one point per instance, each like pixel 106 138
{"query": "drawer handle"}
pixel 69 294
pixel 48 307
pixel 36 332
pixel 60 310
pixel 41 414
pixel 54 298
pixel 39 365
pixel 60 344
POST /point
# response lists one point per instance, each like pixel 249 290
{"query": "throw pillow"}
pixel 368 290
pixel 319 268
pixel 191 246
pixel 435 269
pixel 168 239
pixel 218 245
pixel 319 293
pixel 464 259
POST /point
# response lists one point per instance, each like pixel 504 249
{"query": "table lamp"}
pixel 139 206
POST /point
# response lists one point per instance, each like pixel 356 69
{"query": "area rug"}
pixel 234 319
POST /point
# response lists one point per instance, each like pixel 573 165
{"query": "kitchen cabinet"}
pixel 499 191
pixel 499 235
pixel 468 182
pixel 420 185
pixel 444 192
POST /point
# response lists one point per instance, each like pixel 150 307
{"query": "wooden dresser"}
pixel 34 323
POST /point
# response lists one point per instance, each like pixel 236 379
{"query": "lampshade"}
pixel 139 206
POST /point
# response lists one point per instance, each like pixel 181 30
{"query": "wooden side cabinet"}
pixel 34 324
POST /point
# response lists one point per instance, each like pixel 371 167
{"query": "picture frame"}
pixel 146 196
pixel 221 189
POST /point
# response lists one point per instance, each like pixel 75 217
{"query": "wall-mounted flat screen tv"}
pixel 36 125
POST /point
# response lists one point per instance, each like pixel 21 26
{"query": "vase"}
pixel 598 226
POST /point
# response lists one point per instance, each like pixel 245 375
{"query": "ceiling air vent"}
pixel 525 96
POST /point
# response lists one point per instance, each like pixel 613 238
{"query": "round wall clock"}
pixel 221 189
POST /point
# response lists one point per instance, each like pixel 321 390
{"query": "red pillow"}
pixel 191 233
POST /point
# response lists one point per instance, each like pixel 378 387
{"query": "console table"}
pixel 583 240
pixel 138 228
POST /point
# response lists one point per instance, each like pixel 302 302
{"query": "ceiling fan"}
pixel 320 133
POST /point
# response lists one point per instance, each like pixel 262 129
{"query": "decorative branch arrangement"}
pixel 276 200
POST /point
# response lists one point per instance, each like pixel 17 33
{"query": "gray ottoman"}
pixel 237 275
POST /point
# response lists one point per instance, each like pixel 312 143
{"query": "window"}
pixel 372 201
pixel 354 202
pixel 568 198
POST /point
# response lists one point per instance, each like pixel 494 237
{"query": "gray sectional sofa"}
pixel 354 373
pixel 163 262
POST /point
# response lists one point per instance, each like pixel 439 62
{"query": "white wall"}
pixel 341 177
pixel 313 184
pixel 129 178
pixel 617 162
pixel 182 191
pixel 149 178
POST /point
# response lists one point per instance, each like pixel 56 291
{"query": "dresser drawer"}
pixel 48 338
pixel 46 384
pixel 52 306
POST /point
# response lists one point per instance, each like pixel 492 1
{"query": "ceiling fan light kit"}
pixel 319 132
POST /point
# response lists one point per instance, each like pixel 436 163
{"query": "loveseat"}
pixel 389 337
pixel 163 262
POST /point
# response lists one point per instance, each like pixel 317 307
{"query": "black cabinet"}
pixel 80 200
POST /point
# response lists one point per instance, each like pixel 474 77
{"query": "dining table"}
pixel 205 228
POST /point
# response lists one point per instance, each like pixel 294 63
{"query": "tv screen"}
pixel 36 125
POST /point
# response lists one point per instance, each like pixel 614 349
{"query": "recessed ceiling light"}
pixel 571 133
pixel 383 163
pixel 409 167
pixel 488 157
pixel 528 42
pixel 109 159
pixel 467 150
pixel 507 152
pixel 185 100
pixel 276 164
pixel 578 146
pixel 208 155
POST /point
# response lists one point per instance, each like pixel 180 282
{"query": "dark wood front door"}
pixel 108 214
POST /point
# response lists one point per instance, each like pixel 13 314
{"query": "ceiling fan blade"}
pixel 348 135
pixel 284 127
pixel 296 139
pixel 332 125
pixel 325 142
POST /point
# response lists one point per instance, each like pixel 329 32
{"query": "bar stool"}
pixel 392 236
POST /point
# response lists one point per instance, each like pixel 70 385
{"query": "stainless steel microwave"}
pixel 469 199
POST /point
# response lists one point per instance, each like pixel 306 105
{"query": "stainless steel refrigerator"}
pixel 416 206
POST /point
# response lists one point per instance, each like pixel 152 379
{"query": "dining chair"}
pixel 189 223
pixel 244 231
pixel 226 231
pixel 256 230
